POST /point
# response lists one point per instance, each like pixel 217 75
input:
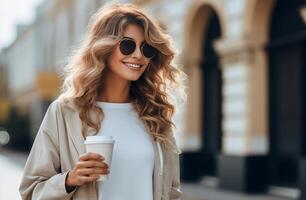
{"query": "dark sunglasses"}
pixel 128 46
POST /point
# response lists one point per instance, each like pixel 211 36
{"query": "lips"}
pixel 133 66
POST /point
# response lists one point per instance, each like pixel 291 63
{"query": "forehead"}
pixel 134 31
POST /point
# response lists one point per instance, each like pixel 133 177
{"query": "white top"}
pixel 131 171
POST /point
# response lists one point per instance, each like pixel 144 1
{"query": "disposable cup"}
pixel 104 146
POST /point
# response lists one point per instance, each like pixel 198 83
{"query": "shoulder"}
pixel 171 145
pixel 62 105
pixel 177 150
pixel 56 111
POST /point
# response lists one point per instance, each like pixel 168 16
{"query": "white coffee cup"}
pixel 102 145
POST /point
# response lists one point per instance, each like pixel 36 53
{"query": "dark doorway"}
pixel 195 165
pixel 211 90
pixel 286 52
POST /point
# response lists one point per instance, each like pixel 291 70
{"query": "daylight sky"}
pixel 13 12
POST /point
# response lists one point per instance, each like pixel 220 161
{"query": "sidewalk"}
pixel 199 192
pixel 11 168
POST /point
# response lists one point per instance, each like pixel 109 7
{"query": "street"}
pixel 11 167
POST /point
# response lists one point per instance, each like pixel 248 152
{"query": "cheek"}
pixel 117 55
pixel 115 58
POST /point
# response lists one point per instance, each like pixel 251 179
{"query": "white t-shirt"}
pixel 132 164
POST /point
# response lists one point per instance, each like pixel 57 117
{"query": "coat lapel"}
pixel 157 176
pixel 74 129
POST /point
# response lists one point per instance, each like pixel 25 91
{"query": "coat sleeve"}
pixel 42 176
pixel 175 191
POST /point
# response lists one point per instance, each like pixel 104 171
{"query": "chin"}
pixel 133 79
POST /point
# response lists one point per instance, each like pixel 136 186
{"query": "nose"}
pixel 137 53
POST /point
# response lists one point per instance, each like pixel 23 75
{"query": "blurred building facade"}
pixel 244 120
pixel 246 66
pixel 33 61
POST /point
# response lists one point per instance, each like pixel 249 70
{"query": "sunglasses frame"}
pixel 141 47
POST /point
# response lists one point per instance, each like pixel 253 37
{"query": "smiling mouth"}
pixel 132 65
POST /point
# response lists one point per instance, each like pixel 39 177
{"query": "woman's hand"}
pixel 87 169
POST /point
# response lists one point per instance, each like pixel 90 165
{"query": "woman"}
pixel 118 83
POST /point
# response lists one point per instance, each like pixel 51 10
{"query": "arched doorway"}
pixel 205 22
pixel 211 91
pixel 286 51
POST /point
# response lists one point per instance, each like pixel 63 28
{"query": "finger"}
pixel 92 171
pixel 89 178
pixel 91 163
pixel 91 156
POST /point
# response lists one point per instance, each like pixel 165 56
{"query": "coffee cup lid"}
pixel 99 139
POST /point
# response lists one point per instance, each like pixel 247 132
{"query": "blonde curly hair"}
pixel 152 94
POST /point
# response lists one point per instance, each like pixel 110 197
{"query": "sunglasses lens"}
pixel 149 51
pixel 127 47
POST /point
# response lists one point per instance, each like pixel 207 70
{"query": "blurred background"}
pixel 242 130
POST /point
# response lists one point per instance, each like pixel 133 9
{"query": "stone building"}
pixel 244 120
pixel 246 66
pixel 245 114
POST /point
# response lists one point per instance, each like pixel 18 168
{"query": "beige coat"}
pixel 57 148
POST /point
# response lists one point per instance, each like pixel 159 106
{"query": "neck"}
pixel 115 91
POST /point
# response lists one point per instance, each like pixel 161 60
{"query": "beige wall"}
pixel 197 19
pixel 244 72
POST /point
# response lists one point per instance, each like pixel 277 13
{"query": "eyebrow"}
pixel 133 39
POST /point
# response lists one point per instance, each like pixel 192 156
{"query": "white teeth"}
pixel 132 65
